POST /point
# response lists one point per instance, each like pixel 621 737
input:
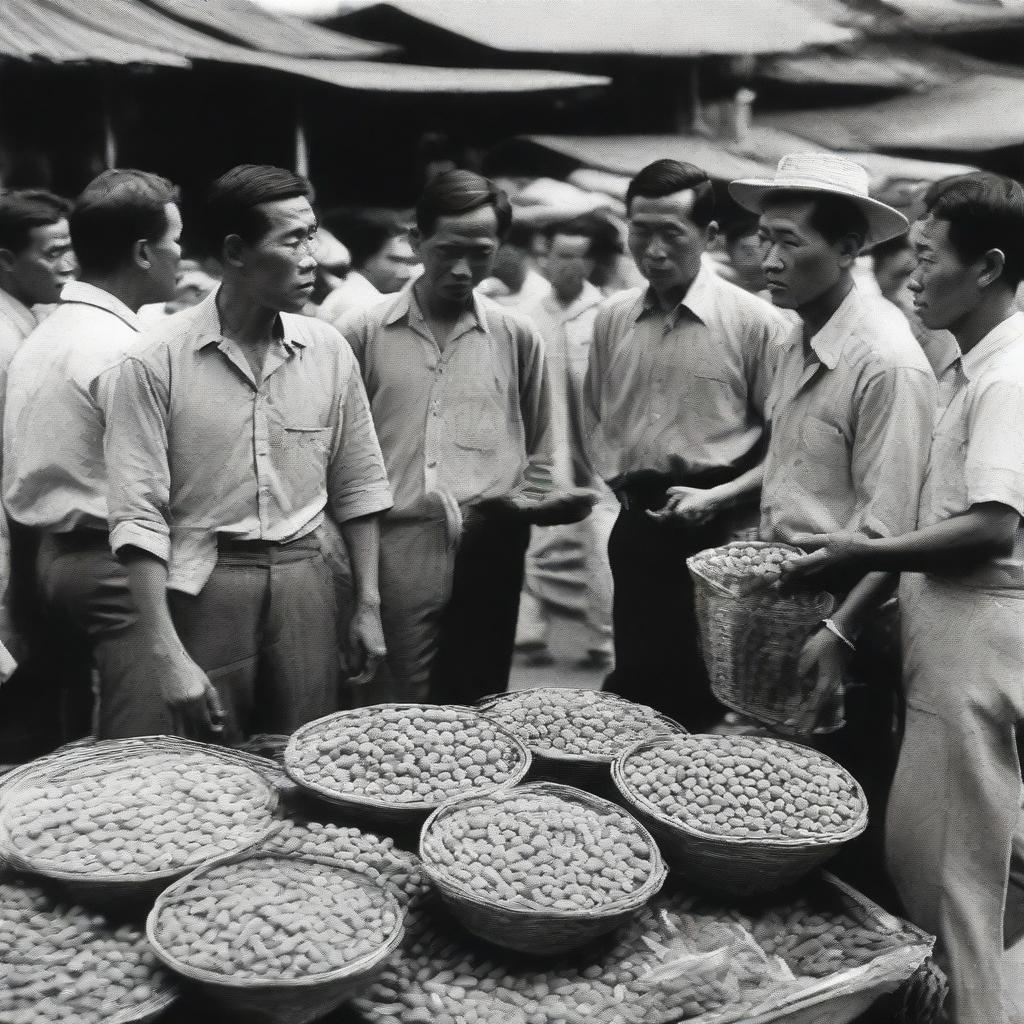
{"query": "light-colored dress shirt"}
pixel 354 292
pixel 198 447
pixel 58 398
pixel 568 333
pixel 469 422
pixel 851 417
pixel 683 392
pixel 17 322
pixel 977 452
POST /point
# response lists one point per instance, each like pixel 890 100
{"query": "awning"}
pixel 979 113
pixel 900 18
pixel 654 28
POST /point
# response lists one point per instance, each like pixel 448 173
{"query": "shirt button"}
pixel 432 464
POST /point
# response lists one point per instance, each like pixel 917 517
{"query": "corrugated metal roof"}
pixel 978 113
pixel 242 21
pixel 654 28
pixel 47 30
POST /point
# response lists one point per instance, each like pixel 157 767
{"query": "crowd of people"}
pixel 314 485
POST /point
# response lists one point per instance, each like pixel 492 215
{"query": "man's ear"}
pixel 990 267
pixel 416 242
pixel 140 254
pixel 7 259
pixel 850 246
pixel 711 232
pixel 233 250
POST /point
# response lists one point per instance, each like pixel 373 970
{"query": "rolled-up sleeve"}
pixel 994 461
pixel 135 444
pixel 890 452
pixel 357 482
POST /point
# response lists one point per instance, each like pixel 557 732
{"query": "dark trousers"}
pixel 658 660
pixel 478 624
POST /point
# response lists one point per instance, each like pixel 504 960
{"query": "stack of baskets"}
pixel 530 907
pixel 752 631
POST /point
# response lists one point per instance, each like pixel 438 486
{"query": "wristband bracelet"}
pixel 837 632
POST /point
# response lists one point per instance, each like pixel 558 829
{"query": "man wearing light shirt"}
pixel 236 428
pixel 125 228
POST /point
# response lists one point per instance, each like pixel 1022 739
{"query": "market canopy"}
pixel 919 17
pixel 656 28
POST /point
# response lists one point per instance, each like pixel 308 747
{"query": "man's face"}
pixel 665 243
pixel 945 289
pixel 459 254
pixel 40 270
pixel 799 264
pixel 392 267
pixel 892 271
pixel 164 258
pixel 568 264
pixel 280 267
pixel 745 256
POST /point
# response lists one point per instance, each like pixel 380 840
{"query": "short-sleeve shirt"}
pixel 198 447
pixel 977 452
pixel 469 422
pixel 681 393
pixel 851 417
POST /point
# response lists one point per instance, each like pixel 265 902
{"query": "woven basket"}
pixel 751 638
pixel 108 889
pixel 539 930
pixel 377 811
pixel 584 771
pixel 280 1000
pixel 736 866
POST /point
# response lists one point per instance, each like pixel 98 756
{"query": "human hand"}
pixel 693 506
pixel 823 658
pixel 195 706
pixel 829 552
pixel 367 648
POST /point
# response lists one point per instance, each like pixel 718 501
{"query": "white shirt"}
pixel 355 292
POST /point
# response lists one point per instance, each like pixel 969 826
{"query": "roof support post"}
pixel 109 135
pixel 301 141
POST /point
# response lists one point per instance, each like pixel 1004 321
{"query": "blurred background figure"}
pixel 516 280
pixel 743 247
pixel 382 260
pixel 192 286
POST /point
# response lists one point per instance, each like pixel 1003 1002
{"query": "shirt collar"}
pixel 997 340
pixel 589 297
pixel 16 310
pixel 406 307
pixel 828 343
pixel 700 298
pixel 89 295
pixel 207 329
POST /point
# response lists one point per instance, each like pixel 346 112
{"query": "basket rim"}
pixel 357 967
pixel 487 704
pixel 745 842
pixel 821 596
pixel 118 749
pixel 394 805
pixel 654 882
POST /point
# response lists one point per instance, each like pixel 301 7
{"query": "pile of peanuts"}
pixel 678 959
pixel 151 813
pixel 375 856
pixel 581 723
pixel 744 564
pixel 745 787
pixel 533 850
pixel 412 754
pixel 64 964
pixel 274 918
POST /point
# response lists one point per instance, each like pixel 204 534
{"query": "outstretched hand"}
pixel 829 552
pixel 692 506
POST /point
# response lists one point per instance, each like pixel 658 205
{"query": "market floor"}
pixel 567 644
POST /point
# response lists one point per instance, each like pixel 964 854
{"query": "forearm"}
pixel 872 591
pixel 745 487
pixel 362 539
pixel 147 580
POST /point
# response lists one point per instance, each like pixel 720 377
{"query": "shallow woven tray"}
pixel 734 865
pixel 108 889
pixel 540 930
pixel 396 812
pixel 751 650
pixel 280 1000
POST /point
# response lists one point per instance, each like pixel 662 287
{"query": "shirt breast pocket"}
pixel 823 461
pixel 304 452
pixel 476 422
pixel 945 480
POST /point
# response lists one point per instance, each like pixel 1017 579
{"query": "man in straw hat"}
pixel 678 375
pixel 954 817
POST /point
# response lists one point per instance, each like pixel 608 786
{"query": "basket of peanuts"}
pixel 542 868
pixel 395 763
pixel 741 814
pixel 64 964
pixel 574 735
pixel 116 822
pixel 752 631
pixel 276 938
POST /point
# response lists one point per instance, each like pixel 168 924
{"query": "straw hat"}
pixel 824 172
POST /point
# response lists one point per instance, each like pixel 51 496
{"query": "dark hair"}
pixel 456 192
pixel 665 178
pixel 833 217
pixel 365 231
pixel 115 210
pixel 22 211
pixel 740 228
pixel 984 211
pixel 233 202
pixel 604 239
pixel 889 248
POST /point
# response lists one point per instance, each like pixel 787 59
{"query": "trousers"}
pixel 264 629
pixel 955 805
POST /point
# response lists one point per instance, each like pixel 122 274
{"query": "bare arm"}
pixel 366 633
